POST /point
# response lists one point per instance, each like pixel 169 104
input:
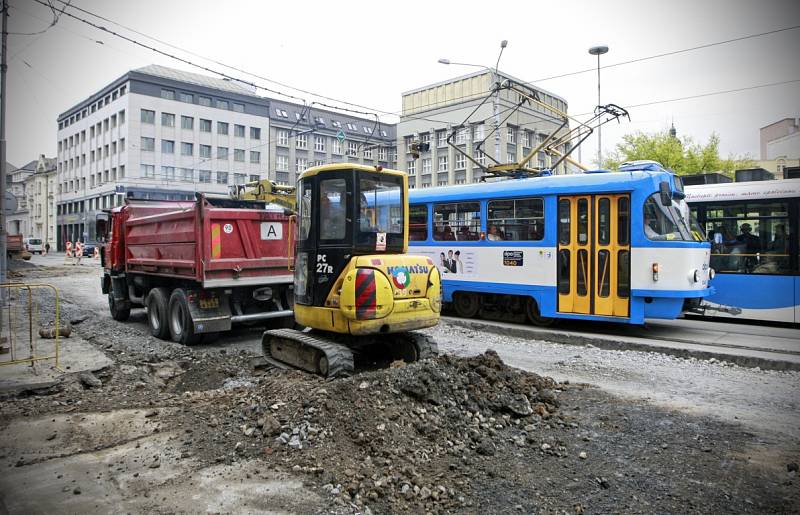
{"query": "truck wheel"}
pixel 181 326
pixel 535 317
pixel 117 313
pixel 156 305
pixel 467 304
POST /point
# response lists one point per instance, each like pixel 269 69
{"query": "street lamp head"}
pixel 504 43
pixel 444 61
pixel 598 50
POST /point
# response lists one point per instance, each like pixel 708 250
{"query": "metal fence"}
pixel 30 324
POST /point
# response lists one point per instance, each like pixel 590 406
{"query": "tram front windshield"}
pixel 672 222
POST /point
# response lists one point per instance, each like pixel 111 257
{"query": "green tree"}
pixel 682 155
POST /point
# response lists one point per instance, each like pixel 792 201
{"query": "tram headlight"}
pixel 694 275
pixel 711 273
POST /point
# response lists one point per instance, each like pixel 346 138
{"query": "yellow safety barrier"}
pixel 14 328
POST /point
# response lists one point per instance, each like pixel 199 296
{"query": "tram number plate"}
pixel 512 258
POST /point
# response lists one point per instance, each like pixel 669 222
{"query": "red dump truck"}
pixel 197 267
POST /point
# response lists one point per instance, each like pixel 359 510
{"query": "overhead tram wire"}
pixel 56 16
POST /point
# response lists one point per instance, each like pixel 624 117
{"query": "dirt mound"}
pixel 396 438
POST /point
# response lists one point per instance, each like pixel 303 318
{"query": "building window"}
pixel 239 178
pixel 187 122
pixel 148 144
pixel 478 133
pixel 368 130
pixel 187 149
pixel 186 97
pixel 239 108
pixel 526 139
pixel 352 149
pixel 381 154
pixel 301 141
pixel 204 176
pixel 255 157
pixel 441 138
pixel 238 155
pixel 121 117
pixel 318 162
pixel 222 152
pixel 122 144
pixel 427 165
pixel 204 101
pixel 205 151
pixel 411 167
pixel 121 172
pixel 238 131
pixel 336 124
pixel 336 147
pixel 148 116
pixel 511 157
pixel 461 136
pixel 254 177
pixel 480 157
pixel 281 112
pixel 442 164
pixel 168 173
pixel 511 135
pixel 461 161
pixel 148 171
pixel 221 104
pixel 205 125
pixel 283 138
pixel 222 177
pixel 167 146
pixel 167 119
pixel 282 163
pixel 300 164
pixel 255 133
pixel 222 128
pixel 168 94
pixel 319 143
pixel 187 174
pixel 352 127
pixel 367 153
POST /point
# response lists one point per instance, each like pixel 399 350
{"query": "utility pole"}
pixel 3 155
pixel 496 102
pixel 598 51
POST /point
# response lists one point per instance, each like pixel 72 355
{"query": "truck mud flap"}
pixel 209 314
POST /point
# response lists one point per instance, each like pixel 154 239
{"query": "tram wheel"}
pixel 466 304
pixel 535 317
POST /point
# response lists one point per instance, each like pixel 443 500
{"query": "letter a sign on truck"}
pixel 271 231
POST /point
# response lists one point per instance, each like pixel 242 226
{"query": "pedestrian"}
pixel 46 249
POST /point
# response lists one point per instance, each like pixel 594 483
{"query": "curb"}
pixel 607 342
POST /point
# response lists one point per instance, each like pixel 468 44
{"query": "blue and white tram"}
pixel 753 228
pixel 594 246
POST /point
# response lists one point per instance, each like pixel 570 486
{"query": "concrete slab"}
pixel 76 355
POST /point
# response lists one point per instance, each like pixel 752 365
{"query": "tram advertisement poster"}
pixel 453 261
pixel 512 258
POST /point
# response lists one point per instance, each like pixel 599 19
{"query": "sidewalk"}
pixel 769 348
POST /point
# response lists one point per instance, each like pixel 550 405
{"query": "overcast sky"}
pixel 368 53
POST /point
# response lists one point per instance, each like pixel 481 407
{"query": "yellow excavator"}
pixel 355 287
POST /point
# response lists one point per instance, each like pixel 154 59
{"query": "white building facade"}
pixel 156 133
pixel 40 188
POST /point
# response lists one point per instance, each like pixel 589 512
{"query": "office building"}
pixel 430 112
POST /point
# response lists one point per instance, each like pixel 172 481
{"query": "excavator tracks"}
pixel 334 355
pixel 310 352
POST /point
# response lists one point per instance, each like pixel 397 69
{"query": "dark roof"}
pixel 311 114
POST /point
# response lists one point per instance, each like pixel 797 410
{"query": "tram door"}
pixel 594 255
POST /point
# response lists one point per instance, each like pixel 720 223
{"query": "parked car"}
pixel 34 245
pixel 88 249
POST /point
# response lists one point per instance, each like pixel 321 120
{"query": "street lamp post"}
pixel 598 51
pixel 496 100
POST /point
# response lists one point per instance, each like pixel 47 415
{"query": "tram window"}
pixel 563 271
pixel 660 222
pixel 603 272
pixel 623 221
pixel 418 223
pixel 583 272
pixel 563 222
pixel 604 221
pixel 304 210
pixel 583 221
pixel 750 238
pixel 623 274
pixel 517 219
pixel 457 221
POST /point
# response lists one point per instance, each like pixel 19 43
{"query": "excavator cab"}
pixel 353 280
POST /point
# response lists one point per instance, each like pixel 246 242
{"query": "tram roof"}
pixel 590 183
